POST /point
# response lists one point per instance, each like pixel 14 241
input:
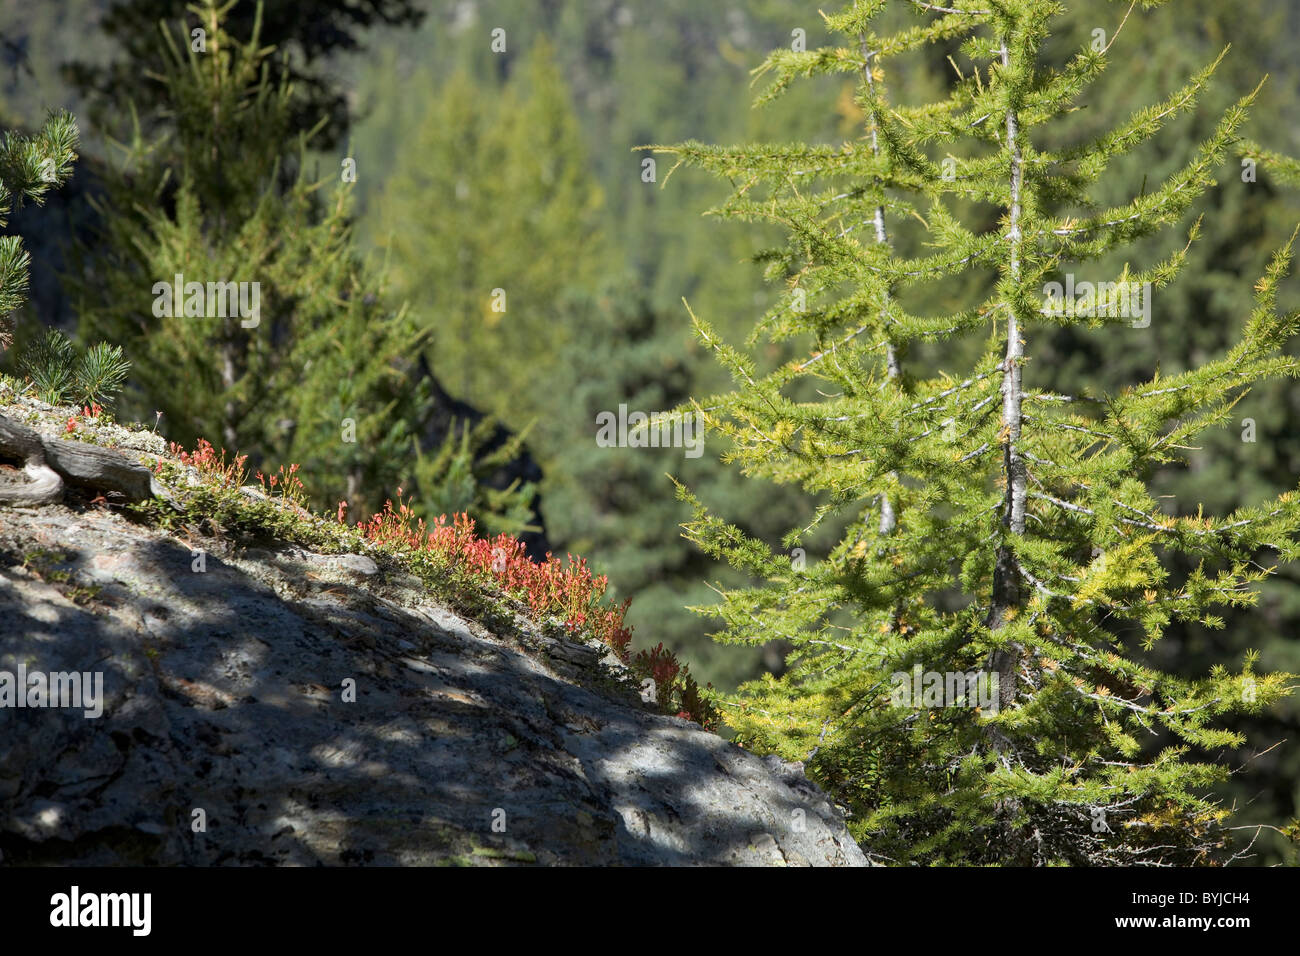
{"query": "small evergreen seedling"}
pixel 61 377
pixel 48 363
pixel 99 375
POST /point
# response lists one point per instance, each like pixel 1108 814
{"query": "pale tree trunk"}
pixel 1006 574
pixel 888 519
pixel 229 412
pixel 1007 591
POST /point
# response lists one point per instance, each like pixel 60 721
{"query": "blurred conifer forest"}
pixel 518 171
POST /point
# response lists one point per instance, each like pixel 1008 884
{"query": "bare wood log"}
pixel 42 485
pixel 99 468
pixel 38 485
pixel 19 441
pixel 48 462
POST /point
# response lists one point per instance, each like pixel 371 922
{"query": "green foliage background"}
pixel 478 170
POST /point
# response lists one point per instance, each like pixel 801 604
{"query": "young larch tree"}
pixel 970 673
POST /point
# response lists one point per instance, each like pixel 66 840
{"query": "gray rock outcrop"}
pixel 224 703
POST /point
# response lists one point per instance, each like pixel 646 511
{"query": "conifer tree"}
pixel 323 372
pixel 222 196
pixel 461 478
pixel 311 33
pixel 971 670
pixel 489 178
pixel 29 167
